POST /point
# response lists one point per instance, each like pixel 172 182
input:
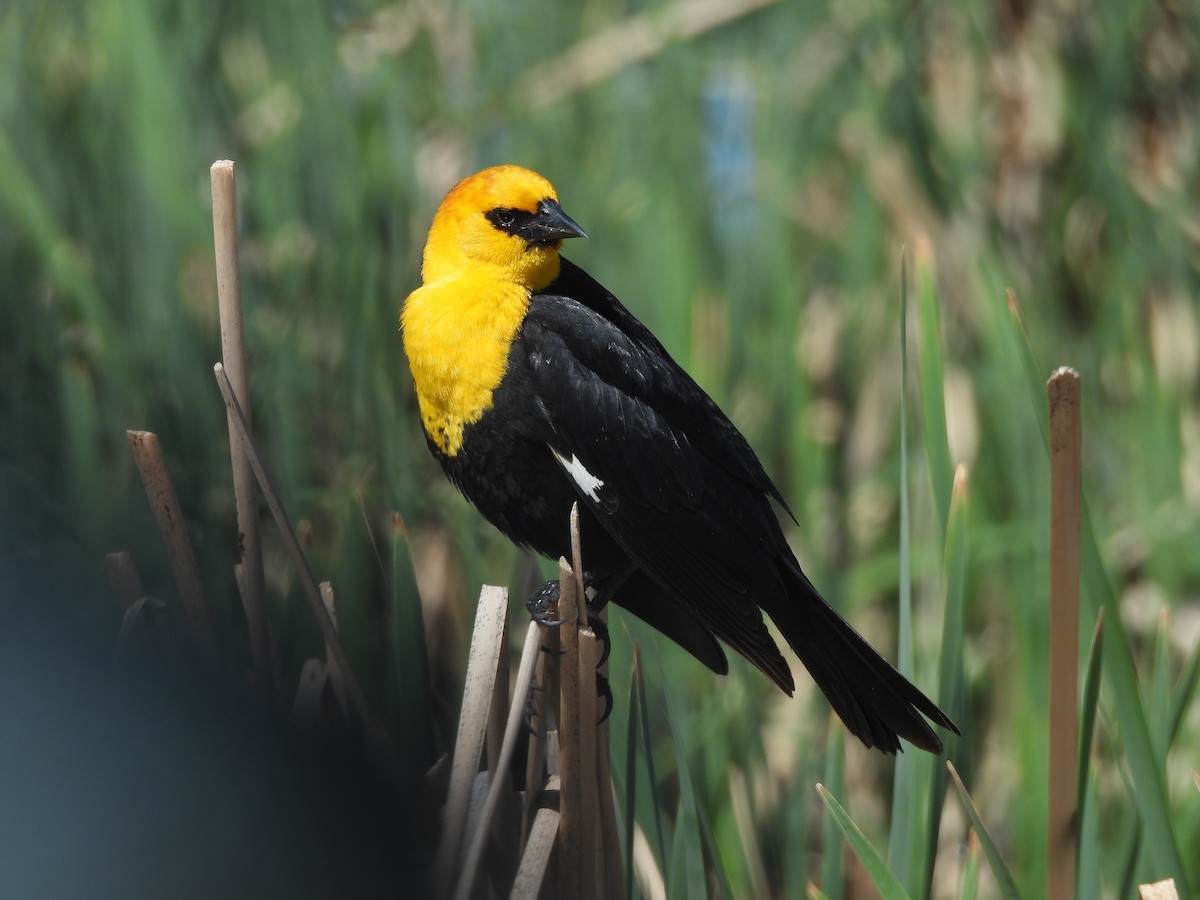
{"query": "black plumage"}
pixel 676 516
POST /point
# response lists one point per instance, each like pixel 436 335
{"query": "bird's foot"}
pixel 540 605
pixel 546 597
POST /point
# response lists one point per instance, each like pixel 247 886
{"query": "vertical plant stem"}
pixel 536 858
pixel 504 753
pixel 1065 453
pixel 164 503
pixel 536 754
pixel 589 664
pixel 472 725
pixel 233 356
pixel 569 884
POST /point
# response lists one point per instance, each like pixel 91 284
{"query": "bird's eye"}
pixel 505 218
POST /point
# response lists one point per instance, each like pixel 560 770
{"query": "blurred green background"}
pixel 749 173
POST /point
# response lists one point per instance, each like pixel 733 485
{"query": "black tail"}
pixel 877 703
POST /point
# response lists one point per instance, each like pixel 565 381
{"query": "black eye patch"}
pixel 516 222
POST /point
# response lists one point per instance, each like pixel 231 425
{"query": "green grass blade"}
pixel 832 870
pixel 1087 712
pixel 648 755
pixel 1158 711
pixel 903 852
pixel 951 677
pixel 970 882
pixel 713 850
pixel 1185 689
pixel 1145 766
pixel 905 645
pixel 1004 879
pixel 1129 870
pixel 889 886
pixel 932 374
pixel 686 866
pixel 951 688
pixel 1091 846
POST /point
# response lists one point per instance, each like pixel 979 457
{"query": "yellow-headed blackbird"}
pixel 538 389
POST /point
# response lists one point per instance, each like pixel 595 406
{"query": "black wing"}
pixel 662 382
pixel 661 467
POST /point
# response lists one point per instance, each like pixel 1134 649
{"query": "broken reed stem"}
pixel 535 859
pixel 164 504
pixel 472 726
pixel 599 840
pixel 329 600
pixel 569 806
pixel 1065 461
pixel 589 661
pixel 377 738
pixel 499 782
pixel 536 754
pixel 233 355
pixel 500 708
pixel 1158 890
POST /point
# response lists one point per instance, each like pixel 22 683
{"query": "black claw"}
pixel 600 629
pixel 603 689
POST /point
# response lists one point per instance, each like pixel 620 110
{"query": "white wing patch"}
pixel 584 480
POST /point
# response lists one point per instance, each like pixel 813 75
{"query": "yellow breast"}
pixel 457 334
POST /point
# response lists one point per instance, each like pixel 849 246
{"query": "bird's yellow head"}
pixel 505 219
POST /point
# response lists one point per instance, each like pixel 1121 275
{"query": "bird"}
pixel 538 390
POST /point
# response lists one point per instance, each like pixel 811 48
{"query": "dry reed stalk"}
pixel 535 759
pixel 1158 890
pixel 1065 454
pixel 505 818
pixel 570 772
pixel 498 712
pixel 498 782
pixel 329 600
pixel 589 663
pixel 233 355
pixel 486 642
pixel 377 739
pixel 535 859
pixel 164 504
